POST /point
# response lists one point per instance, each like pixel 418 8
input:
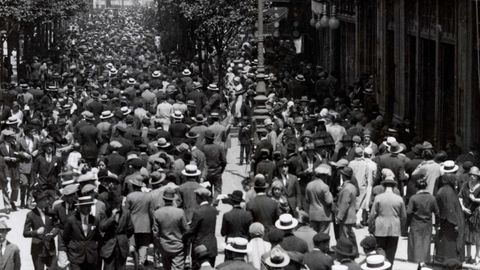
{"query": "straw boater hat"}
pixel 277 259
pixel 156 74
pixel 449 166
pixel 85 200
pixel 186 72
pixel 177 115
pixel 191 170
pixel 237 245
pixel 169 194
pixel 376 262
pixel 4 226
pixel 106 115
pixel 395 148
pixel 162 143
pixel 300 78
pixel 131 81
pixel 286 222
pixel 199 118
pixel 12 120
pixel 125 110
pixel 212 87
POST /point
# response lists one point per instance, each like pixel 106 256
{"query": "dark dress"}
pixel 449 243
pixel 472 231
pixel 419 219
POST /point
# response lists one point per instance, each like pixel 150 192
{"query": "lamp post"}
pixel 3 38
pixel 261 89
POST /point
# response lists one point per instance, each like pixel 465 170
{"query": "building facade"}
pixel 423 55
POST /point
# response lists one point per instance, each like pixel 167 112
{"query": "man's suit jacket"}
pixel 178 131
pixel 202 229
pixel 187 194
pixel 46 173
pixel 12 166
pixel 317 260
pixel 319 201
pixel 236 223
pixel 89 137
pixel 138 204
pixel 116 233
pixel 81 248
pixel 292 190
pixel 11 258
pixel 264 210
pixel 388 214
pixel 41 244
pixel 25 165
pixel 346 204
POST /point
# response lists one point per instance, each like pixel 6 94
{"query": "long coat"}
pixel 202 229
pixel 46 173
pixel 292 191
pixel 89 137
pixel 319 201
pixel 346 204
pixel 25 165
pixel 81 248
pixel 139 205
pixel 12 170
pixel 388 214
pixel 264 210
pixel 41 244
pixel 116 233
pixel 236 223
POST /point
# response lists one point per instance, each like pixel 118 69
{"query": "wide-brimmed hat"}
pixel 131 81
pixel 199 118
pixel 449 166
pixel 277 258
pixel 426 146
pixel 125 110
pixel 136 180
pixel 162 143
pixel 376 262
pixel 85 200
pixel 344 247
pixel 474 171
pixel 106 115
pixel 192 135
pixel 323 169
pixel 177 115
pixel 89 176
pixel 52 88
pixel 236 196
pixel 8 133
pixel 237 244
pixel 69 189
pixel 347 172
pixel 88 188
pixel 395 148
pixel 169 194
pixel 213 87
pixel 110 178
pixel 12 120
pixel 157 177
pixel 156 74
pixel 286 222
pixel 191 170
pixel 300 78
pixel 209 134
pixel 186 72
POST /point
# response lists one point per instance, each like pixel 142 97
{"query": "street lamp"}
pixel 3 38
pixel 261 89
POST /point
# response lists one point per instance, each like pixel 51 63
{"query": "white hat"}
pixel 449 166
pixel 277 258
pixel 191 170
pixel 186 72
pixel 156 74
pixel 376 262
pixel 237 244
pixel 286 222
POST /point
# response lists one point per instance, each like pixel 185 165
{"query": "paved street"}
pixel 231 180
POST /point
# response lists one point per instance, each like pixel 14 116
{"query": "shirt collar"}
pixel 204 203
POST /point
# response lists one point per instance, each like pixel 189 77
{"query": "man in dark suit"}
pixel 46 166
pixel 81 236
pixel 346 207
pixel 264 209
pixel 177 129
pixel 8 150
pixel 89 138
pixel 318 258
pixel 40 227
pixel 114 161
pixel 237 221
pixel 292 186
pixel 117 229
pixel 202 227
pixel 28 149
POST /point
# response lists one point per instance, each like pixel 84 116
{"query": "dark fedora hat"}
pixel 347 172
pixel 236 196
pixel 169 194
pixel 344 247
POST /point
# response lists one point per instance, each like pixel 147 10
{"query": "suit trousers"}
pixel 40 263
pixel 215 180
pixel 389 244
pixel 173 260
pixel 142 241
pixel 346 230
pixel 115 262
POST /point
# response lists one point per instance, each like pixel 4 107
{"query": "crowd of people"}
pixel 116 146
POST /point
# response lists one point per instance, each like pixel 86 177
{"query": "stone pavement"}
pixel 231 180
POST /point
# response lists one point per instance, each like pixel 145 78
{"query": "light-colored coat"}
pixel 389 214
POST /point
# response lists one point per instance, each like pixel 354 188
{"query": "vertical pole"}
pixel 261 61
